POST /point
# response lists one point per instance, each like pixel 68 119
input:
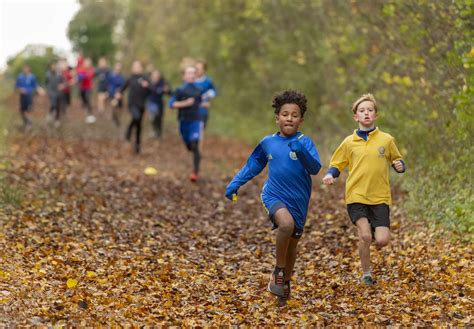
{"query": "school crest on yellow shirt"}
pixel 381 151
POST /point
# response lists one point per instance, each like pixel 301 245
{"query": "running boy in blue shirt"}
pixel 26 84
pixel 292 158
pixel 187 99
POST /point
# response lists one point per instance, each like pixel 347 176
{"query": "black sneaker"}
pixel 276 284
pixel 367 280
pixel 287 290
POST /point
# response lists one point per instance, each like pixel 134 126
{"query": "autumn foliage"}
pixel 96 240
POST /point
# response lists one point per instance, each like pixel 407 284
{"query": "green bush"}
pixel 39 65
pixel 8 194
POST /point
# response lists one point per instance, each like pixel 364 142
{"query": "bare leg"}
pixel 101 98
pixel 291 257
pixel 365 238
pixel 285 223
pixel 26 120
pixel 382 236
pixel 116 115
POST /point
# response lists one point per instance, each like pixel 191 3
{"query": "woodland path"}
pixel 94 240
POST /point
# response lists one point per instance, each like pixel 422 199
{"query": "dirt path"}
pixel 142 249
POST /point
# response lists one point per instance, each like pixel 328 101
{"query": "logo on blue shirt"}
pixel 293 156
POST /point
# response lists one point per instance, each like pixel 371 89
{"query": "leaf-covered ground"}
pixel 97 241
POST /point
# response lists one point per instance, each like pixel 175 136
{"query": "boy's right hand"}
pixel 231 193
pixel 328 179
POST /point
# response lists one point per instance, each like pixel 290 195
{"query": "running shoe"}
pixel 276 284
pixel 287 290
pixel 193 177
pixel 368 280
pixel 90 119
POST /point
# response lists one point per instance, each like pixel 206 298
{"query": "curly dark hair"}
pixel 289 97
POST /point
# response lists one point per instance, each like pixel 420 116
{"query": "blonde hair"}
pixel 366 97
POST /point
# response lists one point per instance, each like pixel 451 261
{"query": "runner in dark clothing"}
pixel 155 105
pixel 137 95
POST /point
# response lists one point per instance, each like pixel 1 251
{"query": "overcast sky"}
pixel 24 22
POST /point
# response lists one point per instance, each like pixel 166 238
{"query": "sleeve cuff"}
pixel 403 169
pixel 334 172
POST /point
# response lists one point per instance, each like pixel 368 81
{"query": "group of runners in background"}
pixel 146 92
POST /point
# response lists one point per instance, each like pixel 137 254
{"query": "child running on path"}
pixel 68 77
pixel 158 88
pixel 102 75
pixel 292 158
pixel 136 102
pixel 115 82
pixel 85 76
pixel 187 99
pixel 27 86
pixel 368 152
pixel 54 84
pixel 208 91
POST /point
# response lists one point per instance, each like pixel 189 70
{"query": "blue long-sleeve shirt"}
pixel 157 91
pixel 289 179
pixel 208 92
pixel 115 83
pixel 26 82
pixel 102 75
pixel 207 87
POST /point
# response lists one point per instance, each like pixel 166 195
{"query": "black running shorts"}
pixel 377 214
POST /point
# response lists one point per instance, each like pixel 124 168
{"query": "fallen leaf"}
pixel 71 283
pixel 150 171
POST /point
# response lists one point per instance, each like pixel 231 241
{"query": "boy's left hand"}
pixel 398 165
pixel 295 146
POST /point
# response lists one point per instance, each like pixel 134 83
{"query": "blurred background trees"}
pixel 92 29
pixel 38 57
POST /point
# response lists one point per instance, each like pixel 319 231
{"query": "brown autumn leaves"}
pixel 97 241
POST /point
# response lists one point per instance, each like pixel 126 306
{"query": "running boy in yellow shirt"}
pixel 368 152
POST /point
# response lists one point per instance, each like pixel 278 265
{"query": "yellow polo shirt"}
pixel 369 162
